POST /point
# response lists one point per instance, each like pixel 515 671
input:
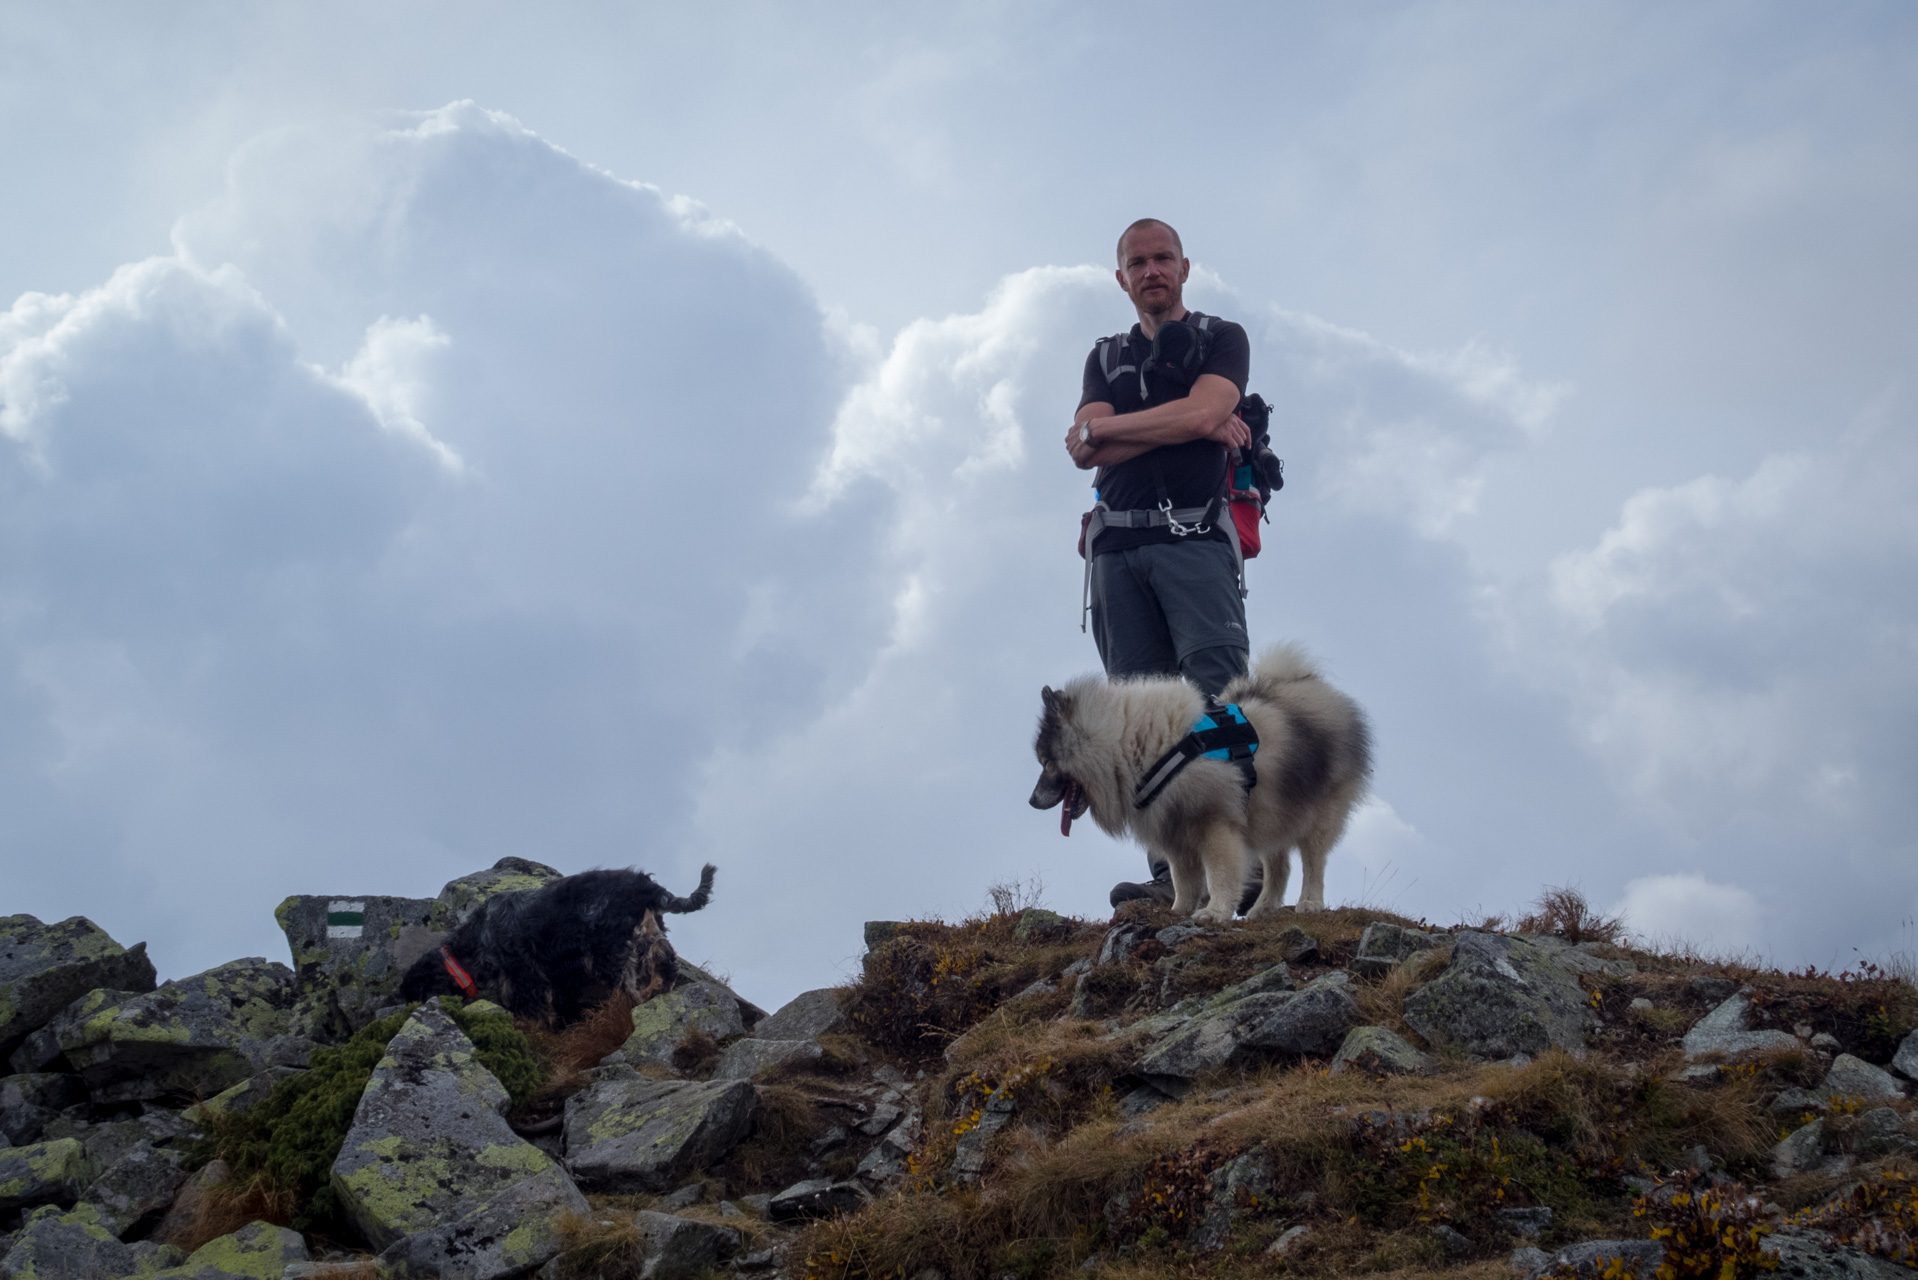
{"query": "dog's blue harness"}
pixel 1222 733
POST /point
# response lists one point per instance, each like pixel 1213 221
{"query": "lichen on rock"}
pixel 430 1155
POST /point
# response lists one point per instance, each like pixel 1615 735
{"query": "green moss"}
pixel 292 1139
pixel 499 1047
pixel 254 1252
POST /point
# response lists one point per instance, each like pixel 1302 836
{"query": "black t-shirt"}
pixel 1193 473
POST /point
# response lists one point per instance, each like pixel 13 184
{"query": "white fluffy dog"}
pixel 1098 738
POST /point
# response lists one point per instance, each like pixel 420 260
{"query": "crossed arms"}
pixel 1208 413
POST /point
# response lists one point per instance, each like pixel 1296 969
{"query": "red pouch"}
pixel 1246 511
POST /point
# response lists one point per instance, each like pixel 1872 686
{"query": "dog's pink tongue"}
pixel 1065 809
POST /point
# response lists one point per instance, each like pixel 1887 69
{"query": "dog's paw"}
pixel 1210 915
pixel 1311 904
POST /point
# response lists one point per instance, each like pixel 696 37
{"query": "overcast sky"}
pixel 629 435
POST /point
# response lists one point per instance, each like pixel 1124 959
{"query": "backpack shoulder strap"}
pixel 1112 352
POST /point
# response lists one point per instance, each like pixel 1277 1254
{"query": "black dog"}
pixel 554 952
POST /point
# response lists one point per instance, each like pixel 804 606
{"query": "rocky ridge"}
pixel 1020 1094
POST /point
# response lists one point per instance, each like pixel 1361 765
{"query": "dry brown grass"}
pixel 1571 1127
pixel 1562 910
pixel 1383 1002
pixel 603 1244
pixel 785 1121
pixel 580 1046
pixel 211 1212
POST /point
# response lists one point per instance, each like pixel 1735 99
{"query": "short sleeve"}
pixel 1094 387
pixel 1231 355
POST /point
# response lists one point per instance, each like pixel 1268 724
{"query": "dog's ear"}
pixel 1056 703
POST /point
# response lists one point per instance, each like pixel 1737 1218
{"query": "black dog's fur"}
pixel 553 952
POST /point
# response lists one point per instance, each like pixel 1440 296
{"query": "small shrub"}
pixel 282 1151
pixel 1563 910
pixel 1708 1231
pixel 499 1046
pixel 1010 897
pixel 1880 1215
pixel 920 989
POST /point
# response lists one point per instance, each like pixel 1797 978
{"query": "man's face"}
pixel 1152 271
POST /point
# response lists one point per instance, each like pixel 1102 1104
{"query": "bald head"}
pixel 1140 225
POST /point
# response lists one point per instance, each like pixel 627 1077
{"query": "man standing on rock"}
pixel 1157 414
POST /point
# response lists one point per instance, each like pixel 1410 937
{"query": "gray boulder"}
pixel 350 952
pixel 1799 1150
pixel 748 1058
pixel 1500 996
pixel 1727 1030
pixel 806 1016
pixel 631 1133
pixel 1036 924
pixel 1383 945
pixel 108 1141
pixel 1380 1051
pixel 885 1165
pixel 189 1038
pixel 1851 1077
pixel 1583 957
pixel 40 1052
pixel 76 1245
pixel 1311 1021
pixel 749 1013
pixel 254 1252
pixel 668 1018
pixel 1592 1257
pixel 1881 1132
pixel 46 967
pixel 462 897
pixel 1905 1061
pixel 53 1172
pixel 969 1153
pixel 817 1198
pixel 682 1248
pixel 137 1188
pixel 1812 1255
pixel 1295 945
pixel 431 1174
pixel 1532 1221
pixel 1240 1186
pixel 1121 941
pixel 28 1102
pixel 242 1097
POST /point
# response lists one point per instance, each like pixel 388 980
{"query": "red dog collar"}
pixel 461 978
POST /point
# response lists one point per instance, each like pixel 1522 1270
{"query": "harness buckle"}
pixel 1180 530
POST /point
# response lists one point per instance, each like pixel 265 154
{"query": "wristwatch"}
pixel 1085 433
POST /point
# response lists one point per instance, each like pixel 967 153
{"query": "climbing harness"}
pixel 1222 733
pixel 1178 353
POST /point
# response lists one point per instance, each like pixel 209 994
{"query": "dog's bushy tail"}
pixel 1279 665
pixel 697 898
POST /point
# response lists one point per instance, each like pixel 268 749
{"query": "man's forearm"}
pixel 1173 423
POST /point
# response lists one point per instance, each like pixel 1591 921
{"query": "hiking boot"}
pixel 1158 890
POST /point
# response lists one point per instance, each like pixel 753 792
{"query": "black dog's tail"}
pixel 699 897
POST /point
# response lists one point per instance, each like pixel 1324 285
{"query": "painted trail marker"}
pixel 345 919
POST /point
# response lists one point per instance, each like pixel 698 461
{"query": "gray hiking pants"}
pixel 1170 609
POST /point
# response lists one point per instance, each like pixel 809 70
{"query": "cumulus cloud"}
pixel 1687 910
pixel 497 584
pixel 441 497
